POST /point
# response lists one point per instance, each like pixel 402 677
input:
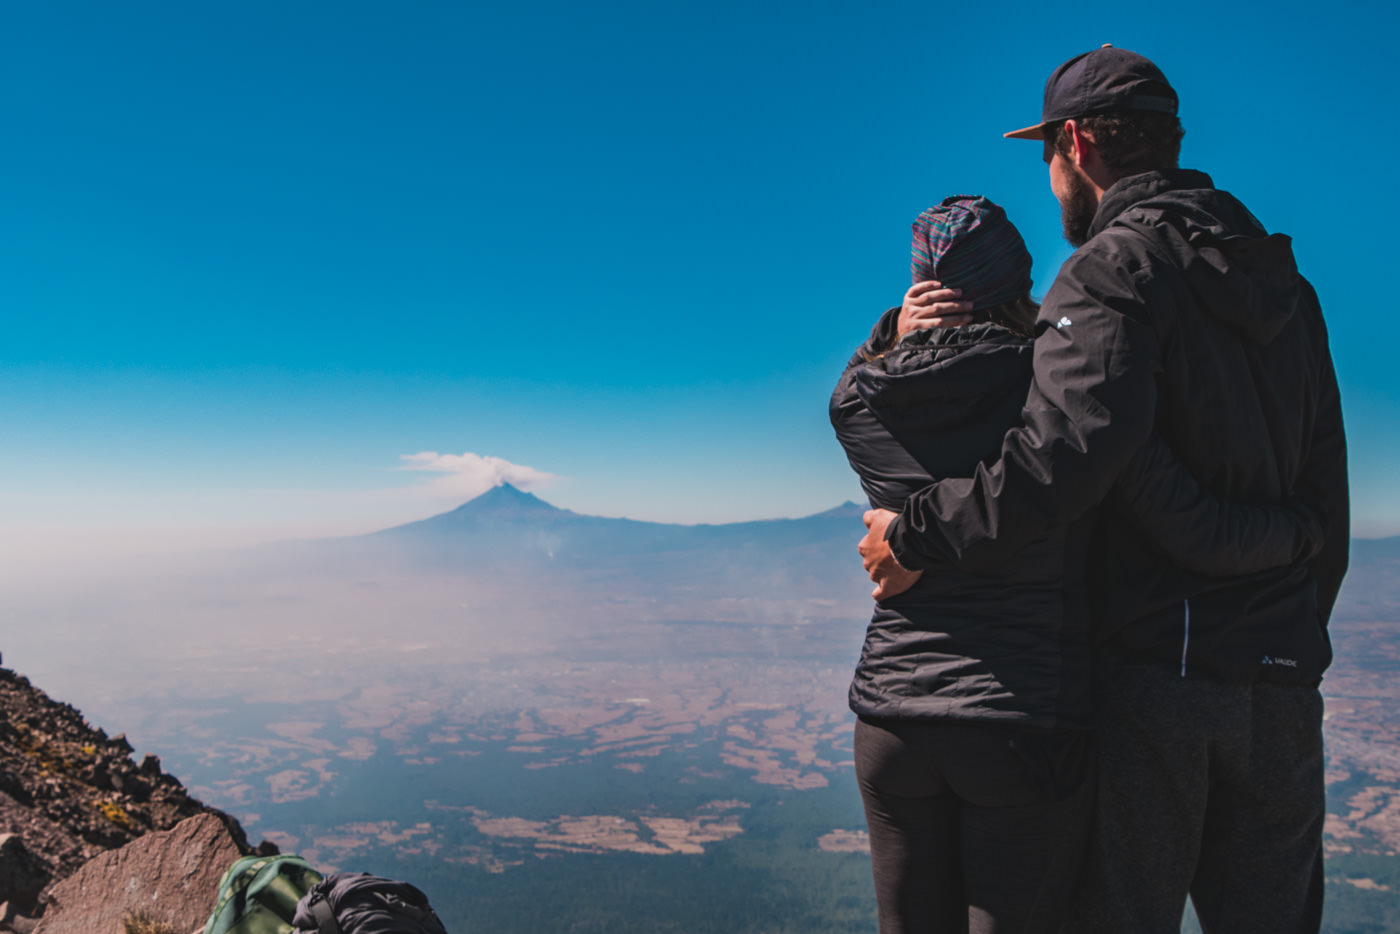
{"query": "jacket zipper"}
pixel 1185 636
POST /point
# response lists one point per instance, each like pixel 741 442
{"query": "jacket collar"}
pixel 1129 191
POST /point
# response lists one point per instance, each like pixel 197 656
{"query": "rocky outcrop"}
pixel 170 877
pixel 69 793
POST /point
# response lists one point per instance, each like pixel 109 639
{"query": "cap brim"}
pixel 1030 132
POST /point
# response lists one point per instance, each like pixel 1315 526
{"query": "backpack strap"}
pixel 321 911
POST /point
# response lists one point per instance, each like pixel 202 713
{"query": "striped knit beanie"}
pixel 967 243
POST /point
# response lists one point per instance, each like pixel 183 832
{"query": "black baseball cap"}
pixel 1106 80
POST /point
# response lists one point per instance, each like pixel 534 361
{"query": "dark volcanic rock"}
pixel 171 876
pixel 22 877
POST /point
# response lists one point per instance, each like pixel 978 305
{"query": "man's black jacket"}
pixel 1183 313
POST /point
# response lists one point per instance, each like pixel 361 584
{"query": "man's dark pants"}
pixel 1206 788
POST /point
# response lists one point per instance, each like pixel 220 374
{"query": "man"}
pixel 1177 311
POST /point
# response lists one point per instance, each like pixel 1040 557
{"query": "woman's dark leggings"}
pixel 978 829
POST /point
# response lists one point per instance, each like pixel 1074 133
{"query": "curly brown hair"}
pixel 1129 142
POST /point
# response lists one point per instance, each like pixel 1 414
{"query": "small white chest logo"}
pixel 1063 322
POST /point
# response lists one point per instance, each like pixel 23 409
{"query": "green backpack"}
pixel 259 895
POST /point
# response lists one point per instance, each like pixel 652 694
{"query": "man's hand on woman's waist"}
pixel 889 577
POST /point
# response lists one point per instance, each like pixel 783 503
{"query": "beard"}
pixel 1077 210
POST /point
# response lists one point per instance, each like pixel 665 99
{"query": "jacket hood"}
pixel 933 406
pixel 1243 276
pixel 943 377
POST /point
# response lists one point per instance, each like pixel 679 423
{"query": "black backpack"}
pixel 358 903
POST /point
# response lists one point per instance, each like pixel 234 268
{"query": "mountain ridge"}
pixel 508 502
pixel 508 533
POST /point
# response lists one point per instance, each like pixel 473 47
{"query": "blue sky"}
pixel 256 255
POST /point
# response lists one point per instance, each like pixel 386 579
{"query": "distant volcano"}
pixel 507 530
pixel 511 504
pixel 504 502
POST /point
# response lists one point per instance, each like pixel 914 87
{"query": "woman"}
pixel 972 746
